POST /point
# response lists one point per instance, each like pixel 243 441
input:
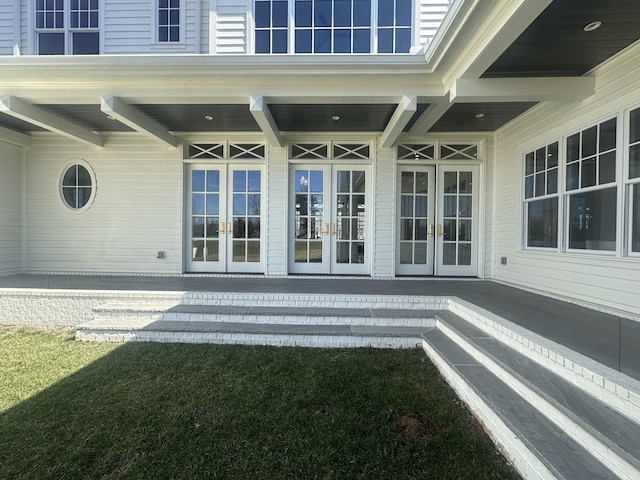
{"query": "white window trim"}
pixel 155 42
pixel 628 184
pixel 94 186
pixel 525 201
pixel 32 40
pixel 251 31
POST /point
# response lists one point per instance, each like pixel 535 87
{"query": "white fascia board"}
pixel 137 120
pixel 403 113
pixel 538 89
pixel 429 117
pixel 15 138
pixel 37 116
pixel 265 121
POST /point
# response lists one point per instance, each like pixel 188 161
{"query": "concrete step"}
pixel 537 447
pixel 258 325
pixel 281 314
pixel 600 428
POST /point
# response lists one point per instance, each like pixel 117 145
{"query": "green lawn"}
pixel 71 410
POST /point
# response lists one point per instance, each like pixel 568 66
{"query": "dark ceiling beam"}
pixel 37 116
pixel 539 89
pixel 137 120
pixel 403 113
pixel 261 113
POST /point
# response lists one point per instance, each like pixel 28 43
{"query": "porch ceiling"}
pixel 542 39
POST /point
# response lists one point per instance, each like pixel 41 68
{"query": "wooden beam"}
pixel 137 120
pixel 539 89
pixel 429 117
pixel 15 138
pixel 403 113
pixel 265 120
pixel 37 116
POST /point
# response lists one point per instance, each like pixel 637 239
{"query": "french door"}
pixel 224 218
pixel 437 220
pixel 329 219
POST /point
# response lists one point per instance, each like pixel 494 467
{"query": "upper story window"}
pixel 333 26
pixel 67 27
pixel 634 181
pixel 168 20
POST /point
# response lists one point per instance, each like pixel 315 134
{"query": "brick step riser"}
pixel 319 341
pixel 615 461
pixel 268 319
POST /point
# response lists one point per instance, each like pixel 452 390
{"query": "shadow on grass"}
pixel 204 411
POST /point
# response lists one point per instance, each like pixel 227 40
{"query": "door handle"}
pixel 326 229
pixel 228 228
pixel 439 230
pixel 333 229
pixel 431 230
pixel 221 228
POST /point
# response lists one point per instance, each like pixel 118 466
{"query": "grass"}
pixel 71 410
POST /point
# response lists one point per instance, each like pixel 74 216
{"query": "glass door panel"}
pixel 328 220
pixel 456 232
pixel 350 217
pixel 310 228
pixel 416 212
pixel 225 217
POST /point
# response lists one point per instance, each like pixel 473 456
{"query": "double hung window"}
pixel 333 26
pixel 67 27
pixel 591 188
pixel 541 197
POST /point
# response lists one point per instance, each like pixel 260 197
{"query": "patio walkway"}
pixel 609 339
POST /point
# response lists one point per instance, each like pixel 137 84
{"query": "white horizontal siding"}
pixel 430 16
pixel 10 209
pixel 230 26
pixel 383 214
pixel 6 27
pixel 130 28
pixel 136 212
pixel 277 224
pixel 608 281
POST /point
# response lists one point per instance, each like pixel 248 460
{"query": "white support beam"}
pixel 137 120
pixel 405 110
pixel 37 116
pixel 539 89
pixel 429 117
pixel 265 121
pixel 15 138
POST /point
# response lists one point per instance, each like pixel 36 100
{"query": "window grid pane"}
pixel 541 197
pixel 271 24
pixel 169 21
pixel 591 154
pixel 84 14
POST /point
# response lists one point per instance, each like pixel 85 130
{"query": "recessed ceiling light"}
pixel 208 117
pixel 335 118
pixel 479 115
pixel 590 27
pixel 110 117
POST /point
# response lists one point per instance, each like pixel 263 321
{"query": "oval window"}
pixel 77 186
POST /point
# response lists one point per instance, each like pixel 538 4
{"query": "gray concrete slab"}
pixel 605 338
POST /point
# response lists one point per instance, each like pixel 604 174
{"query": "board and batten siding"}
pixel 129 28
pixel 10 209
pixel 135 214
pixel 612 283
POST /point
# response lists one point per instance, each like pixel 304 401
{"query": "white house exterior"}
pixel 207 136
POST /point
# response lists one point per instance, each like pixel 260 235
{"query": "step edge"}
pixel 611 386
pixel 608 452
